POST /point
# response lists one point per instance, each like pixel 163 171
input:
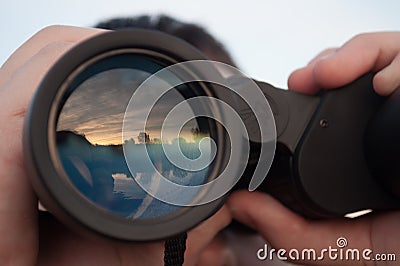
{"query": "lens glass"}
pixel 90 143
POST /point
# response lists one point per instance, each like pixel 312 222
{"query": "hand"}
pixel 333 68
pixel 282 228
pixel 22 231
pixel 376 52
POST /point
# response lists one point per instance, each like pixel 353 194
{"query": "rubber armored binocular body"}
pixel 136 136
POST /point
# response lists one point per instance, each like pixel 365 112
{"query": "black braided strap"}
pixel 174 250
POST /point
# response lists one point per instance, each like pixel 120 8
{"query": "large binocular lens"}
pixel 90 145
pixel 125 140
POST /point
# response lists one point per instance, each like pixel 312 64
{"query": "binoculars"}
pixel 136 136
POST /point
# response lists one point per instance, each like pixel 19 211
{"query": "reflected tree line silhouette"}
pixel 91 169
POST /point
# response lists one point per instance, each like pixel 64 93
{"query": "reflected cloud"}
pixel 96 109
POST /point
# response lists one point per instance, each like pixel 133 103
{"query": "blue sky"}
pixel 268 39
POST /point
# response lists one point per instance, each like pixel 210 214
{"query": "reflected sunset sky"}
pixel 97 107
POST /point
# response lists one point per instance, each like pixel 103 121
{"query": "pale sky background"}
pixel 268 39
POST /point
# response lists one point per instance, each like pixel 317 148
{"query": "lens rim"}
pixel 39 142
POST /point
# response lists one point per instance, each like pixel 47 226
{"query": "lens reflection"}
pixel 90 144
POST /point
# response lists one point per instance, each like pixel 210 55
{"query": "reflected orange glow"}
pixel 116 139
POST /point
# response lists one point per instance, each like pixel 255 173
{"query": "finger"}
pixel 300 80
pixel 324 54
pixel 202 235
pixel 217 253
pixel 18 90
pixel 17 216
pixel 285 229
pixel 362 54
pixel 387 80
pixel 41 39
pixel 18 204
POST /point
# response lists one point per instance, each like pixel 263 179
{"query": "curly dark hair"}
pixel 189 32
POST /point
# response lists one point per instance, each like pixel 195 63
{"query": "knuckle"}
pixel 49 30
pixel 363 37
pixel 359 37
pixel 54 47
